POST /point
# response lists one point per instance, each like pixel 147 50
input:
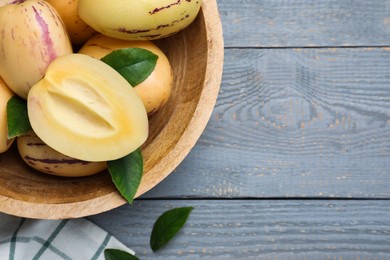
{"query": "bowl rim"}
pixel 196 126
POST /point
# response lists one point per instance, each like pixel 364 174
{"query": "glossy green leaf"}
pixel 126 174
pixel 17 117
pixel 134 64
pixel 167 225
pixel 116 254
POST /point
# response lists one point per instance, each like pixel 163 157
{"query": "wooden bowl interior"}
pixel 187 52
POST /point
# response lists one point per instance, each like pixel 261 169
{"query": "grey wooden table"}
pixel 295 161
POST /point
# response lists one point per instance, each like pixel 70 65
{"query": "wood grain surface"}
pixel 294 123
pixel 303 112
pixel 264 229
pixel 280 23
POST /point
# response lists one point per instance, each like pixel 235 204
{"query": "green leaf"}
pixel 134 64
pixel 126 174
pixel 167 225
pixel 17 117
pixel 116 254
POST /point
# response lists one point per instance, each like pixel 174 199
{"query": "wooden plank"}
pixel 279 23
pixel 294 123
pixel 249 229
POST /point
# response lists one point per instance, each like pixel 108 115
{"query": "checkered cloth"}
pixel 75 239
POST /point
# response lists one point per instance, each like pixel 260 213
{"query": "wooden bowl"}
pixel 196 55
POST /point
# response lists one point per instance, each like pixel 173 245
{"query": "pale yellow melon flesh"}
pixel 86 110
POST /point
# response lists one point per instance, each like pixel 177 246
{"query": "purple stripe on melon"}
pixel 17 2
pixel 158 9
pixel 56 161
pixel 52 11
pixel 124 30
pixel 36 144
pixel 50 51
pixel 161 26
pixel 172 23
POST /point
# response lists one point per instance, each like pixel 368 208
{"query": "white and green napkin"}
pixel 76 239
